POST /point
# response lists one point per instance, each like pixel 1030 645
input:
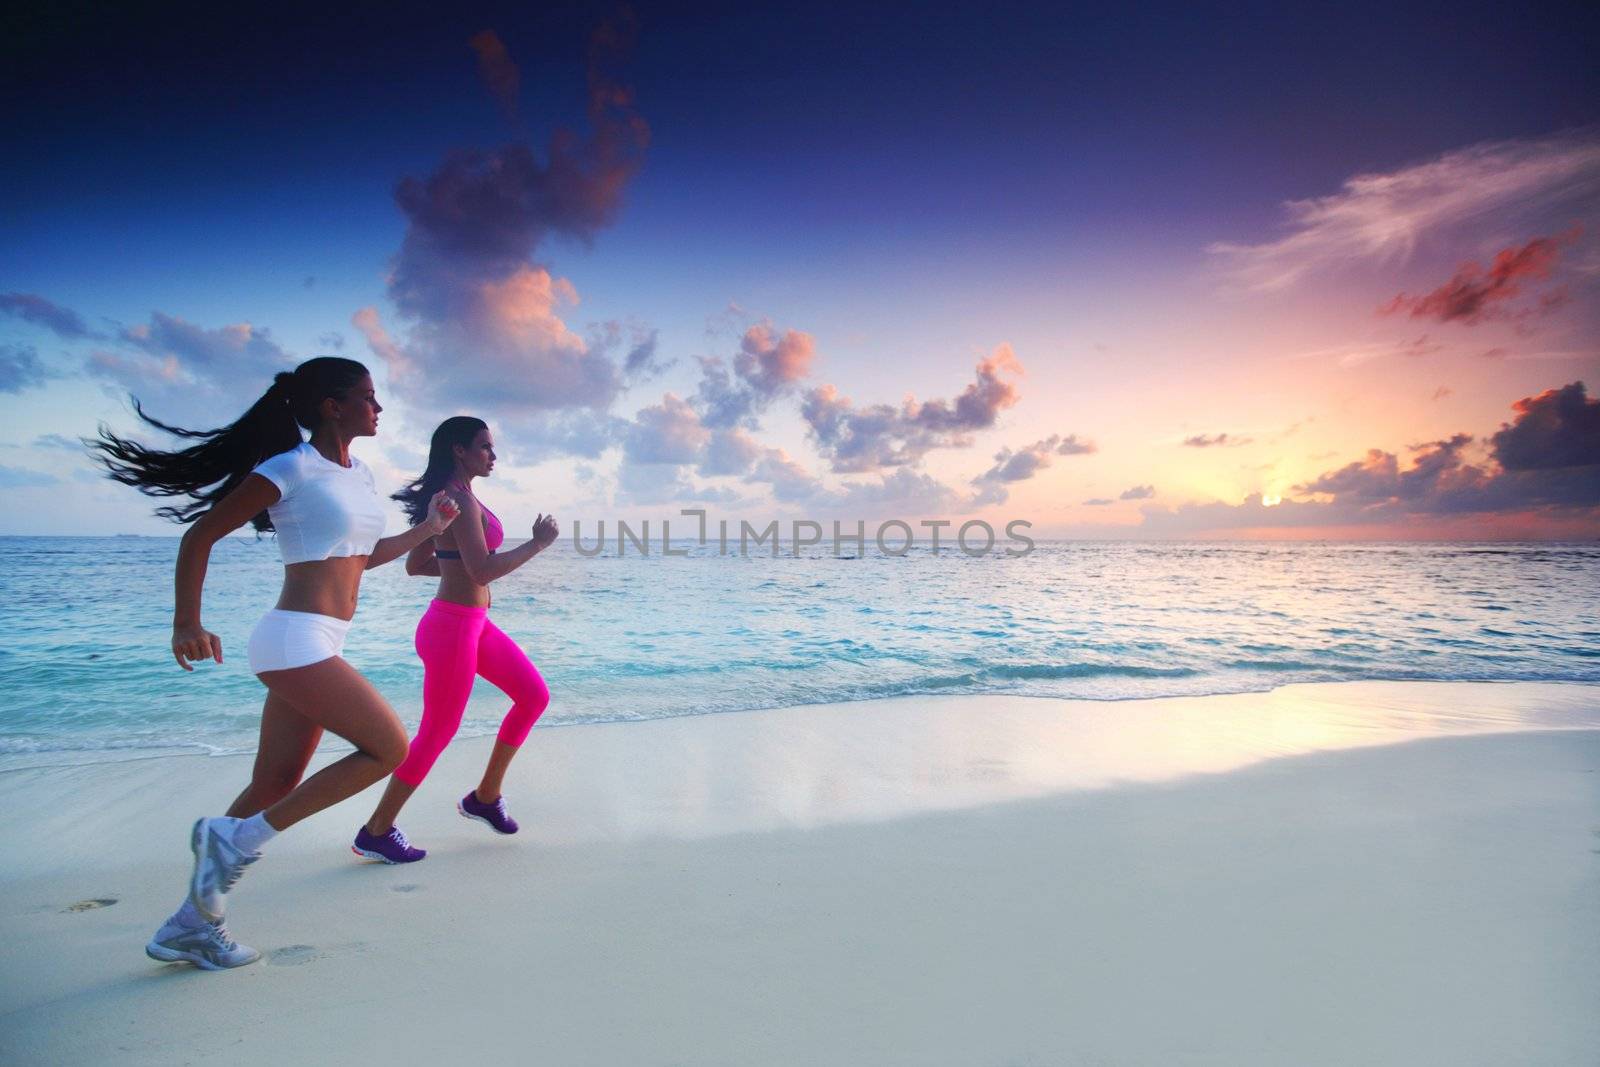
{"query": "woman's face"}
pixel 477 459
pixel 356 412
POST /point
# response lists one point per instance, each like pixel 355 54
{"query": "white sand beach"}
pixel 1366 873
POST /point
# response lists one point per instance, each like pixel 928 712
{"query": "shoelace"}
pixel 399 837
pixel 219 935
pixel 500 807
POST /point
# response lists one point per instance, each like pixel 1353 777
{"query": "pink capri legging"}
pixel 458 643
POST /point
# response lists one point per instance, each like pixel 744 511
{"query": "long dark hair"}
pixel 209 470
pixel 456 430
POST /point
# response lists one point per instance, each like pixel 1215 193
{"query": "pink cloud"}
pixel 1474 294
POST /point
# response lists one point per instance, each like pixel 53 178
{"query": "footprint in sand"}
pixel 293 955
pixel 91 905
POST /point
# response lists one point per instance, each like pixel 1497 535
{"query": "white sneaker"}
pixel 218 863
pixel 207 946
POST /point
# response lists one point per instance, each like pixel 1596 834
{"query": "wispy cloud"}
pixel 63 322
pixel 1383 216
pixel 1216 440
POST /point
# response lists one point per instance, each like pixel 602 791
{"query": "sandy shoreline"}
pixel 967 882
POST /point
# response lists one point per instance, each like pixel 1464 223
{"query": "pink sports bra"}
pixel 494 535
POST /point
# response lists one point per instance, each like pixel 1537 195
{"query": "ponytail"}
pixel 212 468
pixel 456 430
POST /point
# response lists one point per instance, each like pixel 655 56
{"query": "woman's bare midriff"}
pixel 456 588
pixel 323 586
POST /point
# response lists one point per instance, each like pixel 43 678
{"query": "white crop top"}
pixel 326 510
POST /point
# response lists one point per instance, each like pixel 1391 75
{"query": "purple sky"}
pixel 1165 272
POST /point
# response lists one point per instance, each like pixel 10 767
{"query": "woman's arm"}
pixel 441 513
pixel 192 642
pixel 421 561
pixel 482 567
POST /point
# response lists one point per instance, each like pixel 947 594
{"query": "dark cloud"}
pixel 1138 492
pixel 1071 446
pixel 871 438
pixel 642 356
pixel 333 340
pixel 63 322
pixel 1219 440
pixel 21 369
pixel 768 364
pixel 498 71
pixel 1557 428
pixel 1442 392
pixel 1098 501
pixel 484 321
pixel 1475 294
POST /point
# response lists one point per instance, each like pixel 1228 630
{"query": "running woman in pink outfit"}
pixel 329 521
pixel 458 642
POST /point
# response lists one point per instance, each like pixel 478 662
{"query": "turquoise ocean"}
pixel 86 672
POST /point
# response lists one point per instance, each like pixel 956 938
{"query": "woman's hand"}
pixel 442 511
pixel 545 531
pixel 191 644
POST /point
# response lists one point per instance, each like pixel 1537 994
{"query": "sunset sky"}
pixel 1164 272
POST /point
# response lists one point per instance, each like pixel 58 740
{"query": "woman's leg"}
pixel 328 695
pixel 333 696
pixel 503 663
pixel 288 740
pixel 447 642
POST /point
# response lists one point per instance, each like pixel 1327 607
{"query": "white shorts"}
pixel 283 640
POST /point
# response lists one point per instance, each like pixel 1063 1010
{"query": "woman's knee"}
pixel 390 748
pixel 271 785
pixel 530 694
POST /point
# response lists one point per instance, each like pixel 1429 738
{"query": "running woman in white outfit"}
pixel 329 521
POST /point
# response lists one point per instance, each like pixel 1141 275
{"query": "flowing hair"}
pixel 213 467
pixel 456 430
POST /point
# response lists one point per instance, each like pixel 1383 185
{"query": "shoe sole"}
pixel 465 814
pixel 197 842
pixel 381 858
pixel 162 954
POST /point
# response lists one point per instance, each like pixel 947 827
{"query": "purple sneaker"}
pixel 391 847
pixel 493 814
